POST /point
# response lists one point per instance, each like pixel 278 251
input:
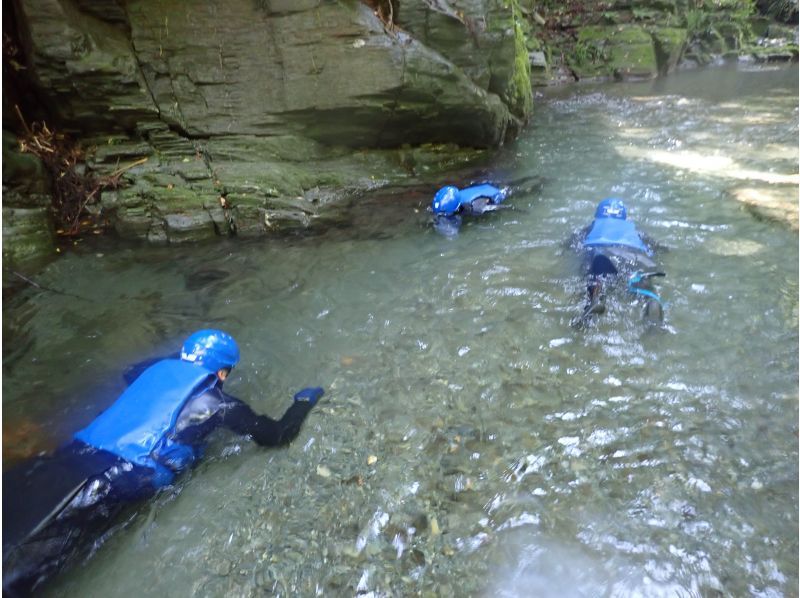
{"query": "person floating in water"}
pixel 614 249
pixel 450 203
pixel 55 505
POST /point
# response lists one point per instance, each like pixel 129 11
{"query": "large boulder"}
pixel 243 108
pixel 483 39
pixel 329 71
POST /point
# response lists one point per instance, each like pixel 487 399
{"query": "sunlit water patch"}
pixel 471 442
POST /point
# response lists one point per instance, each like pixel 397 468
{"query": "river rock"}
pixel 777 203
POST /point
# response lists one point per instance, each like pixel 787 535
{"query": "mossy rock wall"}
pixel 483 38
pixel 633 39
pixel 252 116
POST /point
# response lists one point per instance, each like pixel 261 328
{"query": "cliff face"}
pixel 330 71
pixel 245 115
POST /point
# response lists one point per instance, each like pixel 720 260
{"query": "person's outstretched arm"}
pixel 265 431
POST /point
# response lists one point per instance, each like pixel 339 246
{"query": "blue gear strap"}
pixel 612 231
pixel 470 194
pixel 646 293
pixel 635 279
pixel 137 424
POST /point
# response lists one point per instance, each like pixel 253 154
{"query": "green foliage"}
pixel 647 14
pixel 697 22
pixel 722 27
pixel 780 10
pixel 586 53
pixel 610 16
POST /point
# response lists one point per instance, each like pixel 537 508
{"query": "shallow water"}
pixel 472 442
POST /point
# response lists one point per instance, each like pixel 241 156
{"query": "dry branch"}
pixel 73 189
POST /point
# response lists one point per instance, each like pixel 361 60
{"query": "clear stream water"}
pixel 471 442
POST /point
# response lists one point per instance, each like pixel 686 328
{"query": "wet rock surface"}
pixel 28 230
pixel 251 118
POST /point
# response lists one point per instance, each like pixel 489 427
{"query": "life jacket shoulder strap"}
pixel 134 425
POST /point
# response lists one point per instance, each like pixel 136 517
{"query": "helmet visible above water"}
pixel 446 201
pixel 211 349
pixel 611 207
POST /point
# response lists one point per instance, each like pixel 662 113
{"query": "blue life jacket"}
pixel 614 231
pixel 138 424
pixel 470 194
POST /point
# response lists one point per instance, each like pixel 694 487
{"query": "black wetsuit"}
pixel 450 224
pixel 54 506
pixel 605 266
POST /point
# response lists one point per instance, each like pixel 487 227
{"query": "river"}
pixel 471 442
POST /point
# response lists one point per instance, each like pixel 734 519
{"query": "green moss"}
pixel 622 50
pixel 776 31
pixel 131 221
pixel 785 53
pixel 519 95
pixel 27 235
pixel 759 26
pixel 636 60
pixel 177 200
pixel 647 14
pixel 669 43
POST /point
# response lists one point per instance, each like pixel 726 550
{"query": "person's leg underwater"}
pixel 60 505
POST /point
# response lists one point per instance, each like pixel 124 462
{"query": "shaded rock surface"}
pixel 245 117
pixel 28 230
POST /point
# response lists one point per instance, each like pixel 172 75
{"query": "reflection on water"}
pixel 472 442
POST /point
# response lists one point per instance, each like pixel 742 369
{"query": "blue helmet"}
pixel 446 201
pixel 211 349
pixel 611 207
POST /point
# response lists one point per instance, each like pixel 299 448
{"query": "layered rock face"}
pixel 250 115
pixel 643 39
